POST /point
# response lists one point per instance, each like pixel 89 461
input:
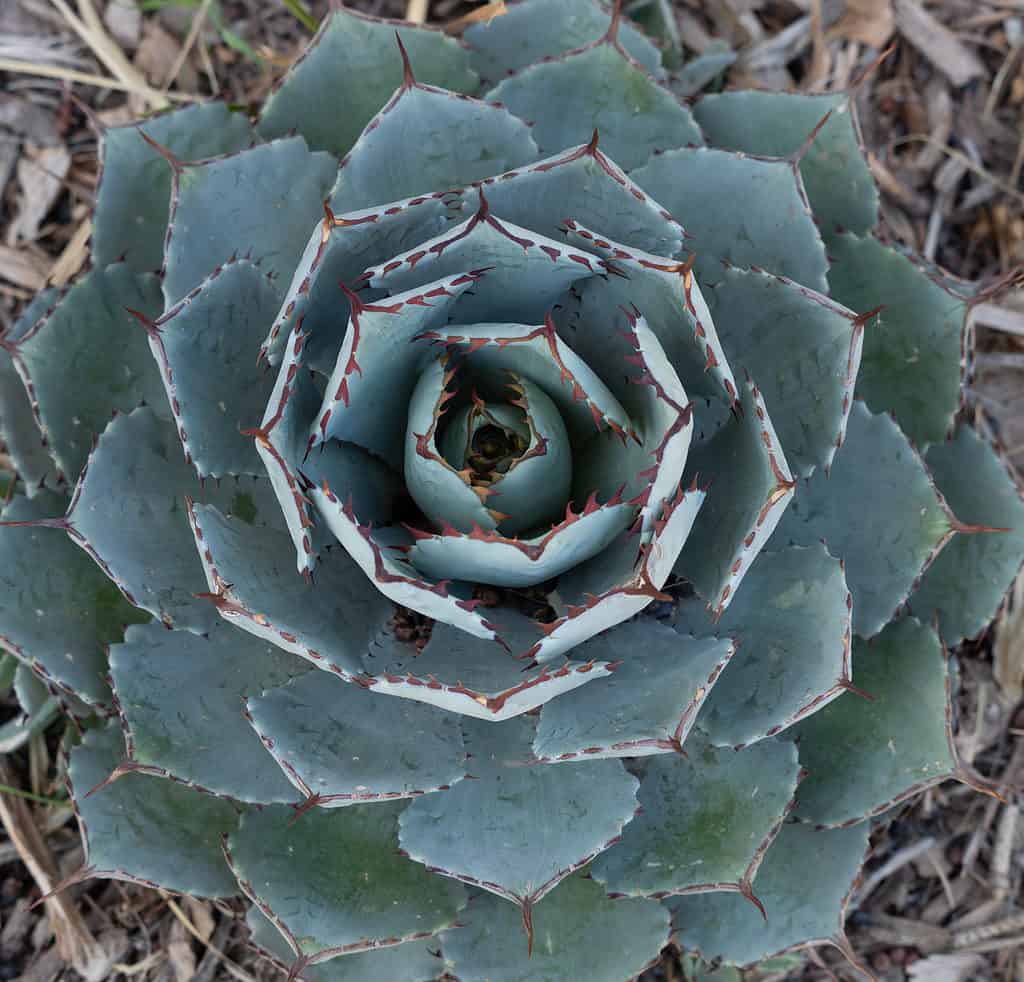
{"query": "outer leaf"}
pixel 646 706
pixel 804 884
pixel 58 610
pixel 182 698
pixel 475 677
pixel 969 578
pixel 804 347
pixel 261 201
pixel 659 21
pixel 587 186
pixel 207 347
pixel 706 821
pixel 699 72
pixel 147 829
pixel 128 513
pixel 598 88
pixel 133 200
pixel 341 745
pixel 505 831
pixel 19 431
pixel 457 140
pixel 334 882
pixel 751 487
pixel 413 961
pixel 839 184
pixel 748 211
pixel 879 510
pixel 915 355
pixel 862 758
pixel 93 342
pixel 331 621
pixel 579 934
pixel 317 97
pixel 536 29
pixel 791 622
pixel 38 707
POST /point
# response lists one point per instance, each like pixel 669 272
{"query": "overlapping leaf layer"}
pixel 599 430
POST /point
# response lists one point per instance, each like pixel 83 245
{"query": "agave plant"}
pixel 504 495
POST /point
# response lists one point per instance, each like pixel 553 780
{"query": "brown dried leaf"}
pixel 937 43
pixel 123 19
pixel 40 176
pixel 157 54
pixel 1008 647
pixel 179 953
pixel 961 967
pixel 869 22
pixel 22 268
pixel 201 916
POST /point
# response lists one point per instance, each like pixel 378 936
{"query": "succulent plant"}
pixel 504 494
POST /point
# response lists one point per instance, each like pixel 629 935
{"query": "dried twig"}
pixel 86 78
pixel 75 941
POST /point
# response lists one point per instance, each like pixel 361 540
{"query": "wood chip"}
pixel 948 968
pixel 1008 647
pixel 40 177
pixel 22 268
pixel 937 43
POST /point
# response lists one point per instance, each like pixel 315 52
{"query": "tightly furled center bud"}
pixel 509 447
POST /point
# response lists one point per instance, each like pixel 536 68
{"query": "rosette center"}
pixel 500 462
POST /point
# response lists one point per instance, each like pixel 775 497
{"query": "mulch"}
pixel 943 121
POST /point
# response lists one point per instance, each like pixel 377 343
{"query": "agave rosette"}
pixel 596 424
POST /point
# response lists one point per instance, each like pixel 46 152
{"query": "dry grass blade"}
pixel 229 966
pixel 198 19
pixel 1008 647
pixel 90 29
pixel 87 78
pixel 75 941
pixel 484 14
pixel 416 11
pixel 73 258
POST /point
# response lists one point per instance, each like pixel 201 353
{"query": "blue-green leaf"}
pixel 804 883
pixel 457 140
pixel 599 89
pixel 646 706
pixel 134 196
pixel 839 184
pixel 877 509
pixel 334 881
pixel 341 745
pixel 506 830
pixel 706 820
pixel 147 829
pixel 349 71
pixel 261 202
pixel 864 755
pixel 87 358
pixel 969 578
pixel 577 933
pixel 182 696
